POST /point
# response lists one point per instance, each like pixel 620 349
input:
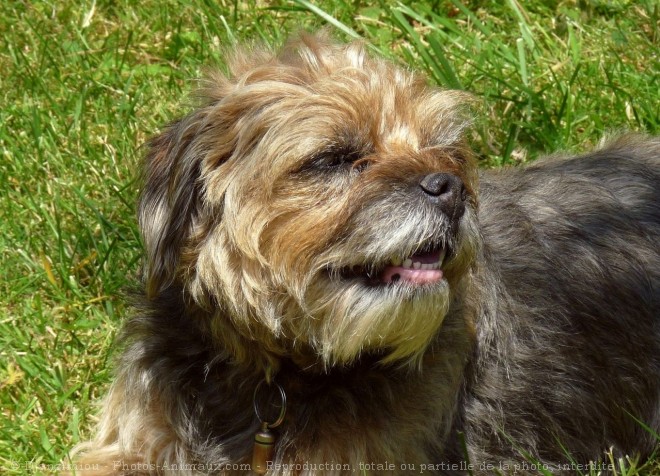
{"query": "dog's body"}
pixel 572 334
pixel 277 230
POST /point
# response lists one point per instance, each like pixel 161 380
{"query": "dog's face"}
pixel 320 203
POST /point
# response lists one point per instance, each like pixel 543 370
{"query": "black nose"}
pixel 447 191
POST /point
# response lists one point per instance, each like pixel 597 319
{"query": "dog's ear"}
pixel 170 206
pixel 170 200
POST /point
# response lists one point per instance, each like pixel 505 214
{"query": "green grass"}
pixel 84 84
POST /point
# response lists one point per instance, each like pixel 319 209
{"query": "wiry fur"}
pixel 544 337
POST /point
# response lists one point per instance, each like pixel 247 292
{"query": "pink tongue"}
pixel 414 276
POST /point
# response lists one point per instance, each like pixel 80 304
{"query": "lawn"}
pixel 84 84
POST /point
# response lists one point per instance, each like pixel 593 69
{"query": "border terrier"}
pixel 331 285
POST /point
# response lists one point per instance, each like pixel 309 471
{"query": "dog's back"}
pixel 570 337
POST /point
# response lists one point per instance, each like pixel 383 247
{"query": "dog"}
pixel 332 286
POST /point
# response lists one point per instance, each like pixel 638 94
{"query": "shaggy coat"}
pixel 276 217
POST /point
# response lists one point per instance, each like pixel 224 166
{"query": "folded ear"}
pixel 170 200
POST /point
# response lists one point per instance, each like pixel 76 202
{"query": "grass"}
pixel 84 84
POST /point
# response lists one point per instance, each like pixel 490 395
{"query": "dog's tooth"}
pixel 417 265
pixel 396 261
pixel 408 263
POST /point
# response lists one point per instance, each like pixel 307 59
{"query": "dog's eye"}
pixel 338 159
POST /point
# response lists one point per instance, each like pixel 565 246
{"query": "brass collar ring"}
pixel 280 418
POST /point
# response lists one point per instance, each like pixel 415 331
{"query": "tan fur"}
pixel 258 126
pixel 266 213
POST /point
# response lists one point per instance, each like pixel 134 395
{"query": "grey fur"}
pixel 569 340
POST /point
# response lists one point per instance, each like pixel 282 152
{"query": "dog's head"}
pixel 319 202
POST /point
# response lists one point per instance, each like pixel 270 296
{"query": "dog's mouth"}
pixel 423 267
